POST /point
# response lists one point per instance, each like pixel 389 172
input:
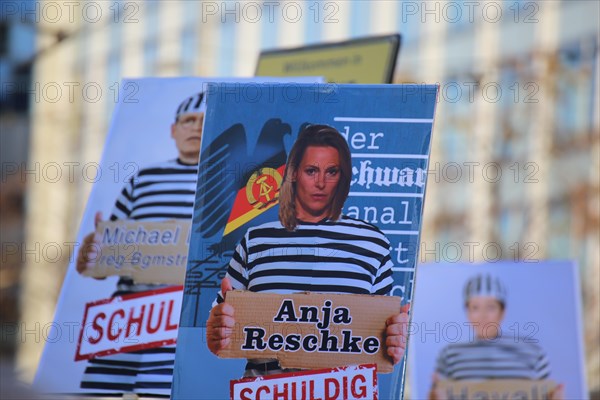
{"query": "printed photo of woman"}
pixel 312 247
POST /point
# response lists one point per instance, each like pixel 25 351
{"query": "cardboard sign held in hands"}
pixel 149 252
pixel 311 330
pixel 522 389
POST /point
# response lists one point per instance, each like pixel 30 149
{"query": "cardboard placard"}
pixel 514 389
pixel 149 252
pixel 311 330
pixel 129 323
pixel 345 383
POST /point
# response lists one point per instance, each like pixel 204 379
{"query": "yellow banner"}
pixel 368 60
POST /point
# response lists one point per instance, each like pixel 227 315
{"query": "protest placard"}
pixel 312 330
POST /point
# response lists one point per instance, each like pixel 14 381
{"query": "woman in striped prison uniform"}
pixel 491 355
pixel 312 247
pixel 162 191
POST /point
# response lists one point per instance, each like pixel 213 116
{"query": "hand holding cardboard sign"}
pixel 435 393
pixel 219 326
pixel 558 393
pixel 89 249
pixel 396 334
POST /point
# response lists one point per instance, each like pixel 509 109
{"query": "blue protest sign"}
pixel 248 134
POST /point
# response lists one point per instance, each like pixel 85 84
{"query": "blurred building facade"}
pixel 515 159
pixel 17 40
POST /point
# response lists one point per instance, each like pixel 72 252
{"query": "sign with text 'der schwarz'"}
pixel 311 330
pixel 149 252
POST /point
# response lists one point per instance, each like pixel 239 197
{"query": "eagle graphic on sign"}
pixel 235 186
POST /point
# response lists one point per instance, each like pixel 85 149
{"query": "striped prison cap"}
pixel 485 285
pixel 193 104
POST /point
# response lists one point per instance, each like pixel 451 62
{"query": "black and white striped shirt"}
pixel 505 357
pixel 159 192
pixel 347 256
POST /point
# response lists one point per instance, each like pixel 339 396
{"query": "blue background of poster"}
pixel 248 125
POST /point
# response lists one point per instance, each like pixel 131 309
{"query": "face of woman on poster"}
pixel 485 313
pixel 316 181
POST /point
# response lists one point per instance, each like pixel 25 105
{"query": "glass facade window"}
pixel 113 75
pixel 189 37
pixel 313 28
pixel 270 27
pixel 360 16
pixel 574 92
pixel 189 50
pixel 3 39
pixel 409 20
pixel 227 40
pixel 152 28
pixel 559 224
pixel 512 222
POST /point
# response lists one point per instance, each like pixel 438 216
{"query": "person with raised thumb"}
pixel 220 322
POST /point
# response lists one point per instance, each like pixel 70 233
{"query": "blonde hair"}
pixel 319 136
